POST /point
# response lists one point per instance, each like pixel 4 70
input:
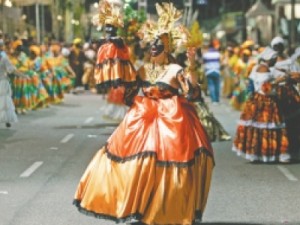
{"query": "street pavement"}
pixel 43 156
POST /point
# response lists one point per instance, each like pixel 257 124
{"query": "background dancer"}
pixel 7 108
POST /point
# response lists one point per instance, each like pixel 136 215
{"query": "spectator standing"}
pixel 212 65
pixel 77 59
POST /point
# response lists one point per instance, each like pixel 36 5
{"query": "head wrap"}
pixel 246 52
pixel 65 52
pixel 86 46
pixel 16 43
pixel 35 49
pixel 77 41
pixel 277 40
pixel 55 48
pixel 247 44
pixel 90 54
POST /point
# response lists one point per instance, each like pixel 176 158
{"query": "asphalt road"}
pixel 43 156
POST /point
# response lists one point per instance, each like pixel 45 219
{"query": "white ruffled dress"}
pixel 7 108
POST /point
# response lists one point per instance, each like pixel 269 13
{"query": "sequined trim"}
pixel 114 60
pixel 116 83
pixel 160 84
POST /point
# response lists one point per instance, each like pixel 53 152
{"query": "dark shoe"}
pixel 8 125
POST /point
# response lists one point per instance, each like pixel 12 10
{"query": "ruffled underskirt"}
pixel 261 134
pixel 114 112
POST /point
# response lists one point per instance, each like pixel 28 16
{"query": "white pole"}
pixel 37 23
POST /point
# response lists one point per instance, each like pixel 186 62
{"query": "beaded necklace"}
pixel 153 72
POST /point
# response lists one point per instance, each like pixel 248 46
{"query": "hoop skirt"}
pixel 156 167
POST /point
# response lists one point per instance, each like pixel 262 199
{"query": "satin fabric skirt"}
pixel 156 167
pixel 113 66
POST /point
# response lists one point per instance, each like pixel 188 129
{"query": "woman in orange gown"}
pixel 156 167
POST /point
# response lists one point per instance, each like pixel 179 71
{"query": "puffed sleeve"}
pixel 132 90
pixel 190 88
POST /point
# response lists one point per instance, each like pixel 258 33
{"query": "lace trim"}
pixel 116 83
pixel 261 125
pixel 135 217
pixel 261 158
pixel 160 84
pixel 130 218
pixel 114 60
pixel 153 154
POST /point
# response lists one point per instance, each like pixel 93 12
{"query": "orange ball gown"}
pixel 113 70
pixel 113 66
pixel 157 165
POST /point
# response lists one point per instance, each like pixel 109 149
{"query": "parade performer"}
pixel 66 72
pixel 229 60
pixel 7 108
pixel 213 127
pixel 156 167
pixel 88 79
pixel 239 94
pixel 21 86
pixel 53 65
pixel 35 64
pixel 288 95
pixel 261 134
pixel 76 60
pixel 113 65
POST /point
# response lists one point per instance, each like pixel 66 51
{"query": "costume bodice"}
pixel 282 65
pixel 260 79
pixel 159 91
pixel 160 82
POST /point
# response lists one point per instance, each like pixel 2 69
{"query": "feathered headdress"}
pixel 165 26
pixel 109 14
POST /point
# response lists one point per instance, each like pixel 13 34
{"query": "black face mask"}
pixel 32 55
pixel 279 47
pixel 111 30
pixel 157 47
pixel 272 62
